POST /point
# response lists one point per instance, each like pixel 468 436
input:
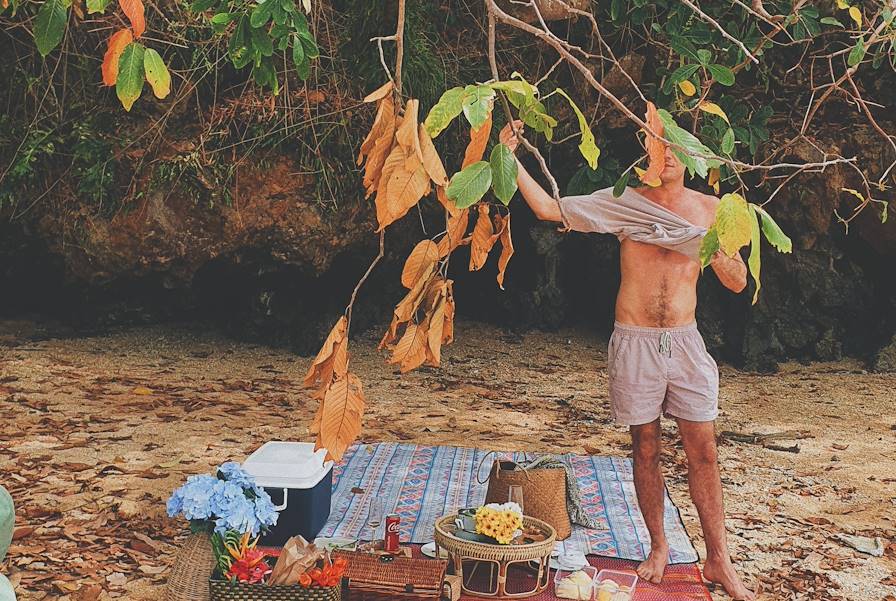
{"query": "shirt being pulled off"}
pixel 633 216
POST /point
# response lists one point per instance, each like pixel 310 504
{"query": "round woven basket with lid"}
pixel 461 550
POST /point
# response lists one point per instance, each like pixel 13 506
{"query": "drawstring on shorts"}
pixel 665 346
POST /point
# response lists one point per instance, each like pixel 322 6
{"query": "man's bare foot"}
pixel 652 568
pixel 721 571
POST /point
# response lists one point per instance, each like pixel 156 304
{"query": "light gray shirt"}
pixel 633 216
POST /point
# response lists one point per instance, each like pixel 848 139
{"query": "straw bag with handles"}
pixel 544 492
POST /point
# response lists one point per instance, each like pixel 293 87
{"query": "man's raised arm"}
pixel 542 204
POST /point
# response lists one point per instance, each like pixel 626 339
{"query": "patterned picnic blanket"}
pixel 422 483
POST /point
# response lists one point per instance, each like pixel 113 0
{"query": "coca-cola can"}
pixel 390 543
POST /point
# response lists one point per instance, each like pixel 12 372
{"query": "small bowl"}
pixel 581 593
pixel 625 585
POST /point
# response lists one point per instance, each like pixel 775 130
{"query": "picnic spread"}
pixel 415 522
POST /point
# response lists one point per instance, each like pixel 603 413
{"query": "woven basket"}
pixel 224 590
pixel 551 10
pixel 402 579
pixel 192 568
pixel 544 493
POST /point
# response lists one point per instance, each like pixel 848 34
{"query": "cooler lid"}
pixel 288 465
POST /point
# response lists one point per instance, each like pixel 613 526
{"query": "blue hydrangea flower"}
pixel 232 501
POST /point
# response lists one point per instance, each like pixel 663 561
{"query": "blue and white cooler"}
pixel 300 484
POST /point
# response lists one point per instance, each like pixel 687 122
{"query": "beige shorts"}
pixel 661 370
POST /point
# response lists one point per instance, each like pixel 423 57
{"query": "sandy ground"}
pixel 97 431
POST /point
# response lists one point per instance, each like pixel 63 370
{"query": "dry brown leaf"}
pixel 379 93
pixel 432 162
pixel 483 238
pixel 419 263
pixel 340 422
pixel 410 352
pixel 384 120
pixel 448 328
pixel 449 204
pixel 656 150
pixel 329 358
pixel 455 229
pixel 407 133
pixel 377 160
pixel 478 141
pixel 502 225
pixel 406 308
pixel 435 330
pixel 404 189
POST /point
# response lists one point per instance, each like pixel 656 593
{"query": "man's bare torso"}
pixel 659 286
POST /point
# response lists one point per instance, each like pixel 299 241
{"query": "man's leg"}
pixel 705 485
pixel 649 484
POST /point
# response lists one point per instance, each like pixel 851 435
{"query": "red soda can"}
pixel 390 544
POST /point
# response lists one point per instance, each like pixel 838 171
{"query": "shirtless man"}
pixel 658 363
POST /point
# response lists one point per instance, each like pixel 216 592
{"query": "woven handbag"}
pixel 544 492
pixel 224 590
pixel 369 578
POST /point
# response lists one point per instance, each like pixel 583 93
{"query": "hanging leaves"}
pixel 773 232
pixel 380 93
pixel 502 225
pixel 406 184
pixel 410 352
pixel 477 104
pixel 693 146
pixel 469 185
pixel 340 417
pixel 421 261
pixel 49 25
pixel 407 133
pixel 455 230
pixel 129 84
pixel 156 73
pixel 587 146
pixel 478 141
pixel 117 43
pixel 133 9
pixel 504 173
pixel 445 111
pixel 656 149
pixel 483 238
pixel 331 360
pixel 732 223
pixel 754 262
pixel 432 162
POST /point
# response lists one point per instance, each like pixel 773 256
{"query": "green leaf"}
pixel 621 184
pixel 687 140
pixel 238 46
pixel 49 25
pixel 468 186
pixel 129 85
pixel 504 173
pixel 444 112
pixel 722 74
pixel 535 116
pixel 732 223
pixel 201 5
pixel 298 52
pixel 477 104
pixel 857 53
pixel 311 49
pixel 682 73
pixel 754 262
pixel 709 246
pixel 704 56
pixel 519 92
pixel 728 141
pixel 587 146
pixel 223 18
pixel 156 73
pixel 832 21
pixel 261 14
pixel 261 41
pixel 97 6
pixel 773 232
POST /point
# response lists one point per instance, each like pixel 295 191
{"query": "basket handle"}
pixel 283 505
pixel 479 469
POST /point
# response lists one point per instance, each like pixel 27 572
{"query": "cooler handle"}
pixel 282 506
